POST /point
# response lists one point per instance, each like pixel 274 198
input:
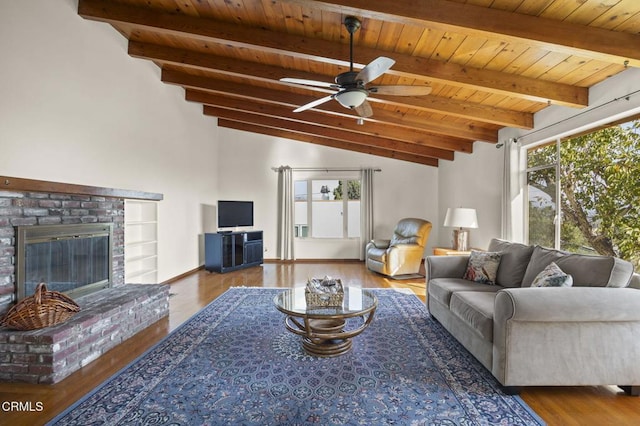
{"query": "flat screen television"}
pixel 232 214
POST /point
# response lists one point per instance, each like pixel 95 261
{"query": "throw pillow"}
pixel 483 266
pixel 552 276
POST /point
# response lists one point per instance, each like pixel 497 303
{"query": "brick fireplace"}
pixel 19 208
pixel 108 316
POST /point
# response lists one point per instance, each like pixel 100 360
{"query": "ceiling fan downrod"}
pixel 352 24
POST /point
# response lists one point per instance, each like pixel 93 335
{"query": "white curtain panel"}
pixel 510 186
pixel 366 209
pixel 285 213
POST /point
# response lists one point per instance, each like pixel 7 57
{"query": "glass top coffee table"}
pixel 327 331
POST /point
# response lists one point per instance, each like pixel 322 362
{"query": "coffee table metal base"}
pixel 326 344
pixel 324 337
pixel 326 348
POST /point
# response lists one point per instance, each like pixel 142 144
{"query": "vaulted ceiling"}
pixel 489 63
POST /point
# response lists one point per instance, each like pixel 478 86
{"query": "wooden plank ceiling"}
pixel 489 63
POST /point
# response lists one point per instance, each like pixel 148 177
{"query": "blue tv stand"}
pixel 229 251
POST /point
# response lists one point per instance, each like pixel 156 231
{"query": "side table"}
pixel 443 251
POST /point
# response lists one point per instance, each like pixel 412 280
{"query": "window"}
pixel 327 208
pixel 542 168
pixel 584 192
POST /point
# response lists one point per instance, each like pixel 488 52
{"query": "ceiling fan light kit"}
pixel 351 98
pixel 352 91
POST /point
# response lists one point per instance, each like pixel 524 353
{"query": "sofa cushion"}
pixel 586 270
pixel 513 263
pixel 441 289
pixel 483 266
pixel 476 309
pixel 552 276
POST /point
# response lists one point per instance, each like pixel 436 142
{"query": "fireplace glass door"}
pixel 74 263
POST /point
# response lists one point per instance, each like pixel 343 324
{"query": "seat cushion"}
pixel 441 289
pixel 513 263
pixel 475 308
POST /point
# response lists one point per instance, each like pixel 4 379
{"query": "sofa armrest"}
pixel 635 281
pixel 446 266
pixel 566 336
pixel 381 244
pixel 567 304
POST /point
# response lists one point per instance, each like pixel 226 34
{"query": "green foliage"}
pixel 541 226
pixel 353 190
pixel 600 188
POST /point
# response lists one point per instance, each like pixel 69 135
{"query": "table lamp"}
pixel 461 218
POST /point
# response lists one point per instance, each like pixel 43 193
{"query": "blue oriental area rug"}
pixel 234 363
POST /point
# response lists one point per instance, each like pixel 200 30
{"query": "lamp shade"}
pixel 461 218
pixel 351 98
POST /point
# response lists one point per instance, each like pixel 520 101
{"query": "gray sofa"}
pixel 586 334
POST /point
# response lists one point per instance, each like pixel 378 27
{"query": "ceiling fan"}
pixel 351 86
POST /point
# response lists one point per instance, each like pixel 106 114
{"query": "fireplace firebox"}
pixel 72 259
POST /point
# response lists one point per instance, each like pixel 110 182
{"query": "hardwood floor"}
pixel 556 405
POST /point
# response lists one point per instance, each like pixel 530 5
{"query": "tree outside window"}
pixel 597 177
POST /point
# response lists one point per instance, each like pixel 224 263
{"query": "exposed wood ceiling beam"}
pixel 490 65
pixel 323 122
pixel 332 133
pixel 330 52
pixel 450 138
pixel 394 143
pixel 381 119
pixel 319 140
pixel 554 35
pixel 440 105
pixel 166 55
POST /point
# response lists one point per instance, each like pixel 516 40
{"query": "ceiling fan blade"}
pixel 375 69
pixel 309 82
pixel 401 90
pixel 313 104
pixel 364 110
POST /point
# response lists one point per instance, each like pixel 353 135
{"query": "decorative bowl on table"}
pixel 324 292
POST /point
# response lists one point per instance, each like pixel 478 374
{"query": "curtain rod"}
pixel 586 111
pixel 324 169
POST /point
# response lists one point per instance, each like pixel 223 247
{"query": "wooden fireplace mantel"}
pixel 32 185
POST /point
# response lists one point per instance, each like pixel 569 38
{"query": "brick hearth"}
pixel 108 317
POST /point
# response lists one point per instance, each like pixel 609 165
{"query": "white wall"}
pixel 472 181
pixel 245 162
pixel 75 108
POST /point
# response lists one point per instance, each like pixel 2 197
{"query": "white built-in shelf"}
pixel 141 257
pixel 141 241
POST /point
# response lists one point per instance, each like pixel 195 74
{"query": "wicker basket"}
pixel 44 309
